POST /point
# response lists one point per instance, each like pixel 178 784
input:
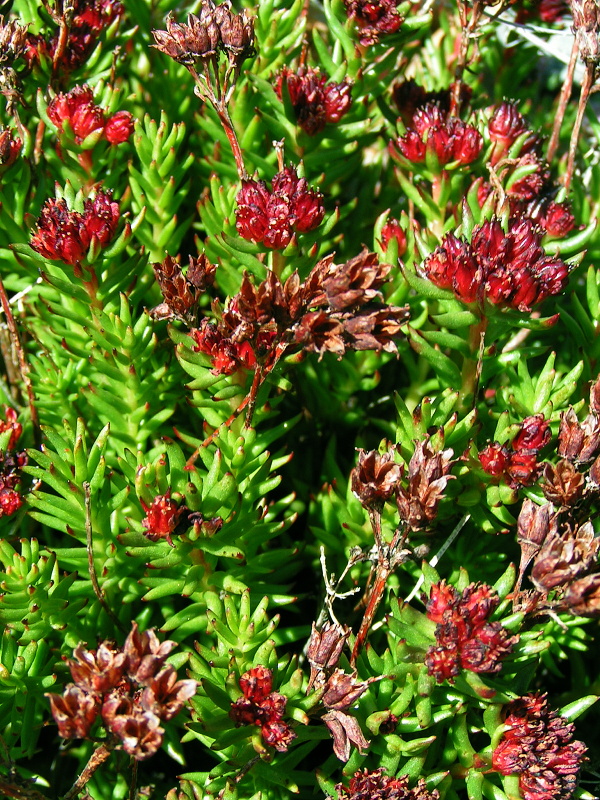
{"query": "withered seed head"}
pixel 579 442
pixel 563 484
pixel 564 558
pixel 324 649
pixel 582 597
pixel 375 477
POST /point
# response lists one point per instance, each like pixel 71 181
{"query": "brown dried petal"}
pixel 563 484
pixel 355 282
pixel 564 558
pixel 375 330
pixel 427 480
pixel 342 690
pixel 324 649
pixel 74 711
pixel 577 441
pixel 117 703
pixel 375 477
pixel 345 732
pixel 140 733
pixel 534 525
pixel 97 671
pixel 165 696
pixel 145 654
pixel 583 596
pixel 317 332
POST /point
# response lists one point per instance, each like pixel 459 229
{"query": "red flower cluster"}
pixel 374 18
pixel 531 195
pixel 464 637
pixel 315 101
pixel 436 134
pixel 64 235
pixel 77 108
pixel 263 707
pixel 538 746
pixel 9 148
pixel 409 96
pixel 130 689
pixel 227 355
pixel 90 18
pixel 374 785
pixel 517 463
pixel 11 464
pixel 508 269
pixel 272 217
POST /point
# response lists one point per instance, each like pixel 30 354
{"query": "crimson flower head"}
pixel 227 355
pixel 101 217
pixel 533 435
pixel 393 230
pixel 163 516
pixel 508 269
pixel 260 706
pixel 538 746
pixel 78 110
pixel 119 127
pixel 61 234
pixel 375 785
pixel 315 101
pixel 374 18
pixel 557 219
pixel 465 638
pixel 65 235
pixel 272 217
pixel 436 133
pixel 504 127
pixel 495 459
pixel 9 148
pixel 11 423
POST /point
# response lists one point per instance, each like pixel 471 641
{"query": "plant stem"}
pixel 23 365
pixel 90 552
pixel 97 758
pixel 586 87
pixel 565 93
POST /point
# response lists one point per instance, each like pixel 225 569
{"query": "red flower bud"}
pixel 77 108
pixel 534 434
pixel 495 459
pixel 119 127
pixel 11 423
pixel 393 230
pixel 9 148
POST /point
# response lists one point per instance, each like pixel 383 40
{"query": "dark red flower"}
pixel 256 684
pixel 509 269
pixel 9 148
pixel 11 423
pixel 439 135
pixel 556 219
pixel 523 468
pixel 453 266
pixel 495 459
pixel 119 127
pixel 271 217
pixel 465 639
pixel 374 18
pixel 10 502
pixel 226 355
pixel 534 434
pixel 162 518
pixel 538 746
pixel 101 217
pixel 315 101
pixel 393 230
pixel 375 785
pixel 78 110
pixel 61 234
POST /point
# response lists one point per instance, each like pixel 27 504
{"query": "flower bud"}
pixel 119 127
pixel 77 108
pixel 9 148
pixel 534 434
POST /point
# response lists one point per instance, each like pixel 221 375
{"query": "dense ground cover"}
pixel 300 431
